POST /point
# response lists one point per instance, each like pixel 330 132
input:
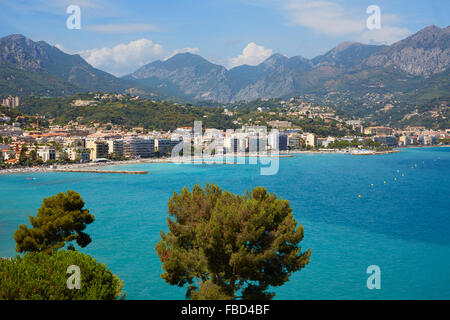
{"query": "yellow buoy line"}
pixel 395 178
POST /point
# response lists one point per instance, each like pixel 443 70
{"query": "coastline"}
pixel 285 154
pixel 76 166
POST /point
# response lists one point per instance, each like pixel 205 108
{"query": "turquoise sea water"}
pixel 402 226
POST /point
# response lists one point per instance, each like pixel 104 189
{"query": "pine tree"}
pixel 60 220
pixel 226 246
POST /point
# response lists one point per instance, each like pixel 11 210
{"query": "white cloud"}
pixel 323 16
pixel 123 28
pixel 331 18
pixel 124 58
pixel 251 55
pixel 182 50
pixel 60 47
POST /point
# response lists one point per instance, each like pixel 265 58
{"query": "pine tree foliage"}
pixel 60 220
pixel 226 246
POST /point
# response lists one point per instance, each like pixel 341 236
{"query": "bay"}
pixel 401 223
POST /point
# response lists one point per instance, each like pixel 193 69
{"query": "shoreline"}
pixel 96 166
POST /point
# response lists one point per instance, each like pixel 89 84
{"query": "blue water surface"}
pixel 401 223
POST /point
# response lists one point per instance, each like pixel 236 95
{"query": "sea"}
pixel 391 211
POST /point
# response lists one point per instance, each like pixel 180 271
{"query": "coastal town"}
pixel 224 159
pixel 37 148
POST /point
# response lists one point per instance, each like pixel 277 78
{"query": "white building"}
pixel 46 153
pixel 81 154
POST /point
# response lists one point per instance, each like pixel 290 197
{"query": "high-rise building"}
pixel 79 153
pixel 139 148
pixel 293 141
pixel 11 102
pixel 278 141
pixel 257 143
pixel 99 149
pixel 115 147
pixel 163 146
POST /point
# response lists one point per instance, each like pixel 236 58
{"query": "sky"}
pixel 121 36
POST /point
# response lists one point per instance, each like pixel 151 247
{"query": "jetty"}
pixel 372 153
pixel 100 171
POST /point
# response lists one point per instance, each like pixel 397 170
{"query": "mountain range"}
pixel 353 69
pixel 28 67
pixel 414 70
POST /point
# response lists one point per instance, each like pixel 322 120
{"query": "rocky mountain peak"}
pixel 424 53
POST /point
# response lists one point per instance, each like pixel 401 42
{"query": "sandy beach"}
pixel 75 166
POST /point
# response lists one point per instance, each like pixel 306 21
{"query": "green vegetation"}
pixel 15 81
pixel 60 220
pixel 38 276
pixel 41 274
pixel 368 144
pixel 226 246
pixel 127 112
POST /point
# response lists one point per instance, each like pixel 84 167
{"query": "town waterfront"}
pixel 401 223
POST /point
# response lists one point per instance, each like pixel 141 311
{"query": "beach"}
pixel 282 154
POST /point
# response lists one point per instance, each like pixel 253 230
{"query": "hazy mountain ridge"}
pixel 354 67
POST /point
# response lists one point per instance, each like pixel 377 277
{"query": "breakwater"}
pixel 100 171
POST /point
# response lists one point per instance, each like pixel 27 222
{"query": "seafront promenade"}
pixel 93 167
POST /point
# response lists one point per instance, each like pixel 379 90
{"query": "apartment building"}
pixel 139 148
pixel 98 149
pixel 46 153
pixel 293 141
pixel 115 147
pixel 164 146
pixel 257 143
pixel 79 154
pixel 379 131
pixel 311 140
pixel 389 141
pixel 404 141
pixel 278 141
pixel 11 102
